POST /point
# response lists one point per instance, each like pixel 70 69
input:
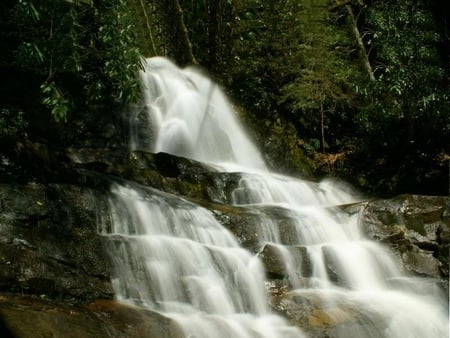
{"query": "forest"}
pixel 359 88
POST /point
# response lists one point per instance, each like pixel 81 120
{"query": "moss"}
pixel 192 190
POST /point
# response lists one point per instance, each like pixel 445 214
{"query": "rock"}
pixel 247 224
pixel 273 261
pixel 282 150
pixel 241 223
pixel 52 255
pixel 166 172
pixel 332 266
pixel 275 258
pixel 416 228
pixel 51 251
pixel 49 243
pixel 421 262
pixel 100 319
pixel 328 315
pixel 281 220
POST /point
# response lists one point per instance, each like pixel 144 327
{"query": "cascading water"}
pixel 189 116
pixel 174 257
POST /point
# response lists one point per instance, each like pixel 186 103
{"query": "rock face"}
pixel 416 228
pixel 49 243
pixel 54 270
pixel 176 175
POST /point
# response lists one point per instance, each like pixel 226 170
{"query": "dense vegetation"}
pixel 63 59
pixel 364 83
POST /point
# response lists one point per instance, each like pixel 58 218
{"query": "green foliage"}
pixel 210 24
pixel 295 59
pixel 53 98
pixel 122 56
pixel 12 122
pixel 85 52
pixel 267 51
pixel 288 58
pixel 322 92
pixel 308 62
pixel 403 122
pixel 411 90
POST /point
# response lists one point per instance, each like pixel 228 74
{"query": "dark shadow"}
pixel 5 332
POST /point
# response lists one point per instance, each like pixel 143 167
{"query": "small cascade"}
pixel 346 269
pixel 173 256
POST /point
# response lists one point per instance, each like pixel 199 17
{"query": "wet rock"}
pixel 49 247
pixel 247 224
pixel 328 315
pixel 416 228
pixel 273 261
pixel 421 262
pixel 275 258
pixel 332 266
pixel 241 223
pixel 166 172
pixel 283 222
pixel 100 319
pixel 281 148
pixel 49 243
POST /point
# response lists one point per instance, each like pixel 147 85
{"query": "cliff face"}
pixel 55 273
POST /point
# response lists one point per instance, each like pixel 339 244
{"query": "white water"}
pixel 190 116
pixel 174 257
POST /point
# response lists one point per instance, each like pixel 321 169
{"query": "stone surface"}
pixel 327 315
pixel 26 316
pixel 416 228
pixel 169 173
pixel 49 243
pixel 275 265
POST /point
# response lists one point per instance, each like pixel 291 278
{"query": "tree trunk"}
pixel 360 41
pixel 184 53
pixel 148 25
pixel 214 10
pixel 174 33
pixel 322 127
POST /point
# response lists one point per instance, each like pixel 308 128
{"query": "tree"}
pixel 411 88
pixel 321 94
pixel 80 52
pixel 404 124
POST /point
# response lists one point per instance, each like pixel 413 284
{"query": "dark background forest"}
pixel 357 89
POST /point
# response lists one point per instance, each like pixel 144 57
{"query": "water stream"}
pixel 174 257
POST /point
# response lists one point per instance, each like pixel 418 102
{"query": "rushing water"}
pixel 174 257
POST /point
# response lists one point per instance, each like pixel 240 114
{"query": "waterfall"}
pixel 190 116
pixel 174 257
